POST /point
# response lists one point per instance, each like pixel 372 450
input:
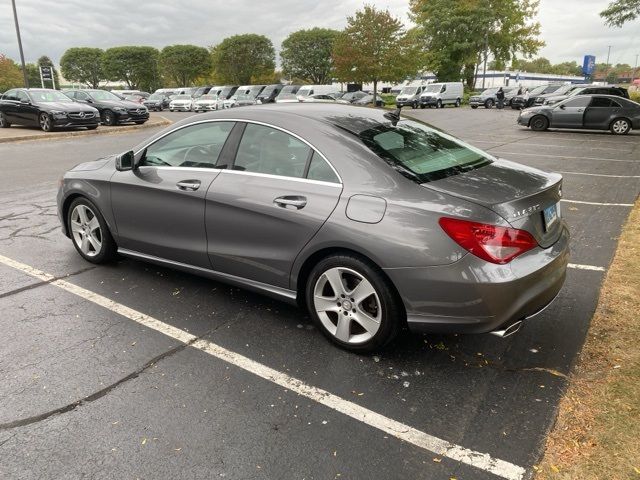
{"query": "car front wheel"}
pixel 89 232
pixel 353 303
pixel 620 126
pixel 539 123
pixel 439 104
pixel 489 104
pixel 45 122
pixel 109 118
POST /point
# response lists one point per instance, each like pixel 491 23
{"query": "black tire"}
pixel 539 123
pixel 439 104
pixel 414 105
pixel 458 103
pixel 422 105
pixel 140 122
pixel 92 127
pixel 109 118
pixel 108 249
pixel 474 106
pixel 46 122
pixel 392 314
pixel 3 121
pixel 489 103
pixel 620 126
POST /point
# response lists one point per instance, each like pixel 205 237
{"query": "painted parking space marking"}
pixel 578 266
pixel 546 155
pixel 598 203
pixel 597 174
pixel 401 431
pixel 549 145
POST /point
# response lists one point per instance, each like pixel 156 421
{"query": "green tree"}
pixel 10 74
pixel 83 65
pixel 240 57
pixel 184 63
pixel 373 47
pixel 33 75
pixel 136 66
pixel 306 54
pixel 457 35
pixel 620 12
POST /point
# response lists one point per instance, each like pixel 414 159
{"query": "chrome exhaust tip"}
pixel 510 330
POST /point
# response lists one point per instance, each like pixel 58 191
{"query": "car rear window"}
pixel 422 153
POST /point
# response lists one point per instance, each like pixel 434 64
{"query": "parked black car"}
pixel 589 90
pixel 593 112
pixel 112 109
pixel 528 99
pixel 45 108
pixel 157 102
pixel 269 94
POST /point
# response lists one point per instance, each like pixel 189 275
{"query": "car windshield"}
pixel 209 97
pixel 287 96
pixel 434 88
pixel 490 91
pixel 244 96
pixel 564 89
pixel 267 91
pixel 155 96
pixel 103 95
pixel 551 88
pixel 420 152
pixel 409 91
pixel 182 97
pixel 289 89
pixel 48 96
pixel 537 90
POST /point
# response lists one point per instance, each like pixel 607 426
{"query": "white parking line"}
pixel 522 144
pixel 578 266
pixel 598 174
pixel 563 156
pixel 401 431
pixel 598 203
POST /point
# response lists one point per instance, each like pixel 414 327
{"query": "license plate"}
pixel 550 216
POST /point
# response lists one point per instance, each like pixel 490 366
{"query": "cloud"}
pixel 571 28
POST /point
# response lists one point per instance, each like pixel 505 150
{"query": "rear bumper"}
pixel 474 296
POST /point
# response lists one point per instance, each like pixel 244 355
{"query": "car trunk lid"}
pixel 519 194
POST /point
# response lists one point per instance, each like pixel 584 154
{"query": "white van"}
pixel 410 96
pixel 440 94
pixel 308 90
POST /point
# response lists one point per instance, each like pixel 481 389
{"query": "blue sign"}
pixel 589 64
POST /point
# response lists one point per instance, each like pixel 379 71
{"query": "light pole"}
pixel 633 75
pixel 24 68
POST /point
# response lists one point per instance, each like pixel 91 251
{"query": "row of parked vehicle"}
pixel 48 109
pixel 435 95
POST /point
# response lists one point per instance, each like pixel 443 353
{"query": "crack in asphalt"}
pixel 109 388
pixel 45 282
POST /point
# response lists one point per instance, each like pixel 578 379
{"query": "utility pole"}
pixel 24 68
pixel 486 54
pixel 633 75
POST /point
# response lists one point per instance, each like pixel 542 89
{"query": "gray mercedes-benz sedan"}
pixel 370 220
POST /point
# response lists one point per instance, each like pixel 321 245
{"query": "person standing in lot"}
pixel 500 97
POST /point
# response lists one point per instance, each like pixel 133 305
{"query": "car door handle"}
pixel 191 185
pixel 291 201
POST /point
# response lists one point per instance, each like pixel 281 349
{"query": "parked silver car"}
pixel 488 98
pixel 370 220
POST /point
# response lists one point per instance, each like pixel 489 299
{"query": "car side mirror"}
pixel 25 102
pixel 561 107
pixel 125 161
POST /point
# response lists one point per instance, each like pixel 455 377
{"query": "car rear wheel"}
pixel 3 121
pixel 620 126
pixel 353 303
pixel 45 122
pixel 89 232
pixel 539 123
pixel 474 106
pixel 489 103
pixel 109 118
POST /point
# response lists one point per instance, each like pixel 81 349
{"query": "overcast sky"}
pixel 570 28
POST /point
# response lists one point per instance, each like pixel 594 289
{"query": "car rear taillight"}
pixel 492 243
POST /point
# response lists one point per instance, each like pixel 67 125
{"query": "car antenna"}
pixel 394 116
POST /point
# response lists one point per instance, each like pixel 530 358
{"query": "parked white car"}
pixel 440 94
pixel 181 103
pixel 309 90
pixel 318 99
pixel 206 103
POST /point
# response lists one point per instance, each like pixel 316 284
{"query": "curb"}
pixel 111 131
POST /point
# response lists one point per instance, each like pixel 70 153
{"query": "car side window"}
pixel 82 96
pixel 197 146
pixel 578 102
pixel 10 95
pixel 70 94
pixel 600 102
pixel 444 89
pixel 320 170
pixel 615 104
pixel 22 96
pixel 271 151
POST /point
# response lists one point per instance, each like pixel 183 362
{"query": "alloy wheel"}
pixel 45 122
pixel 348 305
pixel 86 230
pixel 620 127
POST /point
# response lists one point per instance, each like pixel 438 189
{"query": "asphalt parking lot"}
pixel 94 382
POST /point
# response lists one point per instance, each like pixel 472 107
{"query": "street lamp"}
pixel 24 68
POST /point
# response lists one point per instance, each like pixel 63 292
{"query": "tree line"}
pixel 451 39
